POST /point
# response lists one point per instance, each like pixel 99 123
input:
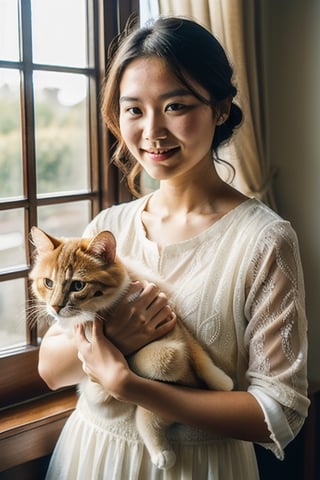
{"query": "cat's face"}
pixel 73 279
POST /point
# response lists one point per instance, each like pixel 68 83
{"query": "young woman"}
pixel 233 265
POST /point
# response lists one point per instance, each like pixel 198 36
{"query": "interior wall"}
pixel 292 47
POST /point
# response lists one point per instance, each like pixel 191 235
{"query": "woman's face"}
pixel 165 127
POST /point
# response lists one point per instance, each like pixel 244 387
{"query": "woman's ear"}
pixel 223 110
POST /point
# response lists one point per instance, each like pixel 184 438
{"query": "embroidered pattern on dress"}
pixel 210 329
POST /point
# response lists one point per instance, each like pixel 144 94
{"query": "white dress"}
pixel 239 288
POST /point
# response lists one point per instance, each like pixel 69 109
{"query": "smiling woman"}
pixel 221 255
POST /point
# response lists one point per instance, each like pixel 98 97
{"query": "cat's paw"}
pixel 164 460
pixel 94 392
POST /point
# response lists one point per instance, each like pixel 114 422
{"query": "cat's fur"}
pixel 75 278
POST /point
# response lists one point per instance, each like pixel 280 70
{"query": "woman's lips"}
pixel 161 154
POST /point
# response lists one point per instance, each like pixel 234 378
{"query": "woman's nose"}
pixel 154 128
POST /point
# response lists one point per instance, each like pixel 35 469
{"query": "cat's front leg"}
pixel 94 392
pixel 152 429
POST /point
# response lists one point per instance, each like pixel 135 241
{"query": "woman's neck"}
pixel 179 211
pixel 208 195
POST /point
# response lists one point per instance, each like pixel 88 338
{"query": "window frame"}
pixel 19 378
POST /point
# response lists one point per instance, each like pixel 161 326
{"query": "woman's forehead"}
pixel 155 74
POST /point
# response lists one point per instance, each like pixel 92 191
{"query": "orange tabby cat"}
pixel 73 279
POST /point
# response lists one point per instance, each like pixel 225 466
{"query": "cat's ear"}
pixel 43 241
pixel 103 246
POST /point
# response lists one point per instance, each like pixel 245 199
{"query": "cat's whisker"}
pixel 99 317
pixel 37 313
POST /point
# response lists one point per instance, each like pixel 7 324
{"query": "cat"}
pixel 74 278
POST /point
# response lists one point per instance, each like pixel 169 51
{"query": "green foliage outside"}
pixel 60 145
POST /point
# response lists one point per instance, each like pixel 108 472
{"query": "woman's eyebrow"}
pixel 181 92
pixel 172 93
pixel 128 99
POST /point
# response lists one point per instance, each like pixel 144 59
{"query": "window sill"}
pixel 30 431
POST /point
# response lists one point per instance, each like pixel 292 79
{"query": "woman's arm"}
pixel 131 325
pixel 59 365
pixel 231 414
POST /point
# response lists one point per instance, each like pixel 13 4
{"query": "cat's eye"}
pixel 48 283
pixel 77 286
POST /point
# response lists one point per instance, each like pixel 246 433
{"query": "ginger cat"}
pixel 75 278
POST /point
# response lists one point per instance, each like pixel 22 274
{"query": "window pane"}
pixel 67 219
pixel 12 313
pixel 10 134
pixel 61 140
pixel 12 249
pixel 148 10
pixel 59 32
pixel 9 34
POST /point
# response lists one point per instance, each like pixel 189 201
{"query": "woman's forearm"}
pixel 230 414
pixel 59 365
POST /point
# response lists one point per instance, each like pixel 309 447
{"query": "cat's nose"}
pixel 56 308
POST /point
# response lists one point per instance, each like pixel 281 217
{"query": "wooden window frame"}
pixel 18 365
pixel 19 379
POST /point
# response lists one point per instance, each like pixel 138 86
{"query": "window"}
pixel 53 151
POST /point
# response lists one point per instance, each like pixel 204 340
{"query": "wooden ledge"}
pixel 30 431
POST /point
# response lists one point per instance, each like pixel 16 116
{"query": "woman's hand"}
pixel 139 318
pixel 101 360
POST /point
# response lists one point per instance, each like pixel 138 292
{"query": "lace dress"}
pixel 239 288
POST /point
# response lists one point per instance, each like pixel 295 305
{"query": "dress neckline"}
pixel 192 241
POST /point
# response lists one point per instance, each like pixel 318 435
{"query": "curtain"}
pixel 235 23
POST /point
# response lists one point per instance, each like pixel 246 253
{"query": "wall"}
pixel 292 48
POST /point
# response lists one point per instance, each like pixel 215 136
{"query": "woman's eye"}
pixel 134 110
pixel 175 106
pixel 77 286
pixel 48 283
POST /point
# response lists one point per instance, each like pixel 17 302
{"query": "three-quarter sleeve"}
pixel 276 335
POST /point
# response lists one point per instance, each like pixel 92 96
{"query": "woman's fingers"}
pixel 101 360
pixel 143 315
pixel 147 296
pixel 97 330
pixel 133 292
pixel 80 336
pixel 159 310
pixel 151 305
pixel 82 343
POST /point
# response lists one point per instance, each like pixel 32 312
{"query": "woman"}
pixel 233 265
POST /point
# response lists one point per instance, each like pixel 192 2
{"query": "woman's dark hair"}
pixel 190 51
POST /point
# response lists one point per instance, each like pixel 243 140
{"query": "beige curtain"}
pixel 234 23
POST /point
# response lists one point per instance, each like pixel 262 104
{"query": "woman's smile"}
pixel 162 154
